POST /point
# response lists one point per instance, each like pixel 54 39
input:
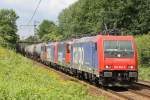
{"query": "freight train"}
pixel 103 59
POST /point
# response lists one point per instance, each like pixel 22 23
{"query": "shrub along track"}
pixel 136 92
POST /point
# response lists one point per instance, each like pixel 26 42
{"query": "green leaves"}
pixel 131 17
pixel 143 44
pixel 51 37
pixel 45 27
pixel 88 16
pixel 48 31
pixel 8 26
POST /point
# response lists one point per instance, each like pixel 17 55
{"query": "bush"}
pixel 143 44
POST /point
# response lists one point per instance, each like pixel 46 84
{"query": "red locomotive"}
pixel 118 60
pixel 107 60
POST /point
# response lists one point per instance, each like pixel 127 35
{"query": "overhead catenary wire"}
pixel 34 12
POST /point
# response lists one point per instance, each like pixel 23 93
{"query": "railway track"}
pixel 135 92
pixel 133 95
pixel 139 91
pixel 145 84
pixel 141 88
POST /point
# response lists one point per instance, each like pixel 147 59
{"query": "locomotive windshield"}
pixel 118 49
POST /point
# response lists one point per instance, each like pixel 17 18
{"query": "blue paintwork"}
pixel 84 54
pixel 50 50
pixel 61 53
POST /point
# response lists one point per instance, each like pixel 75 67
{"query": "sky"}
pixel 48 9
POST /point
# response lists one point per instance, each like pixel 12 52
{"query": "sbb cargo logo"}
pixel 78 55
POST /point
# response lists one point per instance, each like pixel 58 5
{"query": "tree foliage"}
pixel 45 27
pixel 143 50
pixel 92 16
pixel 32 39
pixel 8 26
pixel 48 31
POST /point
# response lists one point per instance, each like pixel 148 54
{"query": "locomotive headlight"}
pixel 108 67
pixel 130 67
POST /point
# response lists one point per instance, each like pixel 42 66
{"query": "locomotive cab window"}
pixel 118 49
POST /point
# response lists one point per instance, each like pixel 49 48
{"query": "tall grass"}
pixel 21 79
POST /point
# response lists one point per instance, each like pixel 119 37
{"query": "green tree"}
pixel 92 16
pixel 8 27
pixel 48 31
pixel 45 27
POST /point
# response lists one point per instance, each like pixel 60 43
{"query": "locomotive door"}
pixel 55 53
pixel 44 53
pixel 49 54
pixel 68 55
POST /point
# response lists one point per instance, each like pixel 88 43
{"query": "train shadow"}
pixel 117 89
pixel 123 89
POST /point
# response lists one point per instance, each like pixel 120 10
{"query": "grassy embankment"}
pixel 143 44
pixel 20 79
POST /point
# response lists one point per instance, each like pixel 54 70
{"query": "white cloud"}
pixel 48 9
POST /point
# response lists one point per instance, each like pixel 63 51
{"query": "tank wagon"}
pixel 103 59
